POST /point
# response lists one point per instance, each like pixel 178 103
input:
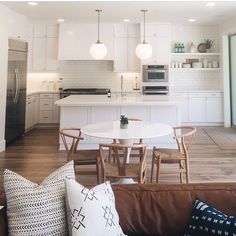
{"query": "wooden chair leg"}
pixel 187 171
pixel 98 172
pixel 152 166
pixel 158 165
pixel 180 173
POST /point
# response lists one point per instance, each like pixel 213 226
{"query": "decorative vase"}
pixel 192 48
pixel 125 126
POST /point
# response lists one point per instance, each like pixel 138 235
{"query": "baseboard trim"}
pixel 2 145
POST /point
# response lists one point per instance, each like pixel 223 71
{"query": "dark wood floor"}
pixel 36 155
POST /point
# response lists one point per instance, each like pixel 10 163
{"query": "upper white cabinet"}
pixel 75 41
pixel 158 36
pixel 126 38
pixel 43 47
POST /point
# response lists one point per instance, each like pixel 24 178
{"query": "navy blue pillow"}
pixel 207 221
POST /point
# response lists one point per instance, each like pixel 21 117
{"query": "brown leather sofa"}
pixel 160 209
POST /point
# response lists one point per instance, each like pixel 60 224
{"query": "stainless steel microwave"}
pixel 155 73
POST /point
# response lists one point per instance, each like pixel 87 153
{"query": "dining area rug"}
pixel 225 138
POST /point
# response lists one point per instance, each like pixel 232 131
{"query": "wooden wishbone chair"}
pixel 71 138
pixel 180 157
pixel 135 169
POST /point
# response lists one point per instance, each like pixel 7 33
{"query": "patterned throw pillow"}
pixel 92 212
pixel 37 209
pixel 206 221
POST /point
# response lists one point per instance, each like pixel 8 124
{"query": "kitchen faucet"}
pixel 122 94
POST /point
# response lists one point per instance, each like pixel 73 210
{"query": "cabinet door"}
pixel 40 31
pixel 197 109
pixel 35 110
pixel 52 31
pixel 120 54
pixel 27 115
pixel 162 50
pixel 133 62
pixel 74 43
pixel 39 54
pixel 214 109
pixel 52 49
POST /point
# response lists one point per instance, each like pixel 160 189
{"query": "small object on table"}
pixel 124 122
pixel 186 65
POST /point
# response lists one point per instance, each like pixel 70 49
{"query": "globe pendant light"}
pixel 98 50
pixel 143 50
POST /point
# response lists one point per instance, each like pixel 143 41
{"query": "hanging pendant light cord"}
pixel 144 22
pixel 98 11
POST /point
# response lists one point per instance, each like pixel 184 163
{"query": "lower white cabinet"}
pixel 49 112
pixel 40 109
pixel 196 109
pixel 32 110
pixel 214 109
pixel 202 107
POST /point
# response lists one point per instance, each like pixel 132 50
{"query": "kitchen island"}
pixel 80 110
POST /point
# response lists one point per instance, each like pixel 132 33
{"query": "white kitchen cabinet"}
pixel 158 36
pixel 74 43
pixel 44 48
pixel 214 108
pixel 126 38
pixel 39 54
pixel 40 31
pixel 197 109
pixel 31 112
pixel 51 54
pixel 49 112
pixel 202 107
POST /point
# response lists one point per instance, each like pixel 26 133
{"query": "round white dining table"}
pixel 135 130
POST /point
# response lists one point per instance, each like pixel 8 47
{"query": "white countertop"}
pixel 87 100
pixel 43 91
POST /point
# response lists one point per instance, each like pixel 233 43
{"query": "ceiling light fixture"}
pixel 191 20
pixel 126 20
pixel 98 50
pixel 210 4
pixel 32 3
pixel 143 50
pixel 60 20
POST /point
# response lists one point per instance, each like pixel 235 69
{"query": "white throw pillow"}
pixel 92 212
pixel 37 209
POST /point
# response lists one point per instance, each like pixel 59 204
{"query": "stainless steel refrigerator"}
pixel 16 89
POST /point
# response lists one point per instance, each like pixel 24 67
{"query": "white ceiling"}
pixel 115 11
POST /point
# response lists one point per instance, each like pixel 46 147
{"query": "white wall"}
pixel 3 71
pixel 82 74
pixel 7 29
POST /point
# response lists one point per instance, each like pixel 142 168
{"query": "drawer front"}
pixel 45 117
pixel 179 95
pixel 46 104
pixel 36 96
pixel 213 95
pixel 46 95
pixel 29 98
pixel 196 95
pixel 56 96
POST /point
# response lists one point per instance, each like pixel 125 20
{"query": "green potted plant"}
pixel 209 44
pixel 124 121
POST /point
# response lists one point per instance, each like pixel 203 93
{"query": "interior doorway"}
pixel 232 59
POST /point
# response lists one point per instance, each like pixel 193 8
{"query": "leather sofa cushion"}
pixel 162 209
